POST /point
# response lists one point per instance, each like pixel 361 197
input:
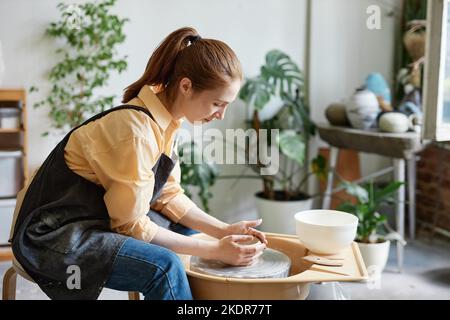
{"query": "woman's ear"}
pixel 185 87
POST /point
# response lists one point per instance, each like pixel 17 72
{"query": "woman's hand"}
pixel 246 228
pixel 230 250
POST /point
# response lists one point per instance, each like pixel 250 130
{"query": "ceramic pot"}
pixel 362 109
pixel 375 256
pixel 326 232
pixel 396 122
pixel 336 115
pixel 278 216
pixel 376 83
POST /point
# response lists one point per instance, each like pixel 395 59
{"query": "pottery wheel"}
pixel 271 264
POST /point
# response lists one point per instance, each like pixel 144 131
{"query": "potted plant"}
pixel 283 194
pixel 373 233
pixel 199 176
pixel 88 35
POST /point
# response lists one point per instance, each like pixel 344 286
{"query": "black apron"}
pixel 63 221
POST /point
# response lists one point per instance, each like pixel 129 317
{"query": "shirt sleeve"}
pixel 172 202
pixel 125 171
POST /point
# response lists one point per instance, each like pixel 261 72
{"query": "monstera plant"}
pixel 283 193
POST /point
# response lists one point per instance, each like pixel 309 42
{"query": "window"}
pixel 437 72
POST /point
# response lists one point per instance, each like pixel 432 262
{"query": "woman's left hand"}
pixel 247 227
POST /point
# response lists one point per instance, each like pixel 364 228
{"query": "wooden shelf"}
pixel 11 130
pixel 11 149
pixel 16 139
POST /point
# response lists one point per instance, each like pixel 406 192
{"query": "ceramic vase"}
pixel 362 109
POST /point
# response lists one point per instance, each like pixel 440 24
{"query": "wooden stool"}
pixel 10 277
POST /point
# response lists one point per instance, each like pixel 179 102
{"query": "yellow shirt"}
pixel 118 152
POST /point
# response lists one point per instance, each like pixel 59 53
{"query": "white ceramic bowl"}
pixel 326 231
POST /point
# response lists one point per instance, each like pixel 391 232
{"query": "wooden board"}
pixel 393 145
pixel 353 268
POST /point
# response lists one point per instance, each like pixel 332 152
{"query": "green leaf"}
pixel 347 207
pixel 33 89
pixel 201 175
pixel 282 71
pixel 369 200
pixel 357 191
pixel 388 191
pixel 279 76
pixel 292 145
pixel 256 92
pixel 87 60
pixel 318 166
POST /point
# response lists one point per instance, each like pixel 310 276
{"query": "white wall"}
pixel 342 53
pixel 251 27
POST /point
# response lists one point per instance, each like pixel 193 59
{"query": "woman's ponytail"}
pixel 162 62
pixel 183 53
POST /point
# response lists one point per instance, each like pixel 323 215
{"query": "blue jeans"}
pixel 155 271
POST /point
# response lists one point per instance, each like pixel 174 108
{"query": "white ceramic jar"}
pixel 279 216
pixel 362 109
pixel 396 122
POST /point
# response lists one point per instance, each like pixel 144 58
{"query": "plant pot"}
pixel 278 216
pixel 375 256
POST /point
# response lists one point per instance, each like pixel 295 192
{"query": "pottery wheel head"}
pixel 271 264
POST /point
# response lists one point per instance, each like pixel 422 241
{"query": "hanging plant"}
pixel 88 36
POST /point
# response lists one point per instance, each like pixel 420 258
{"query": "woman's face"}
pixel 207 105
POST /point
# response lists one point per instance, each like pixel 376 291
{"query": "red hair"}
pixel 208 63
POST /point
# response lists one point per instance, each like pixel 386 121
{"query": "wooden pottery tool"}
pixel 330 271
pixel 315 259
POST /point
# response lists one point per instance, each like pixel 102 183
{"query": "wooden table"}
pixel 401 147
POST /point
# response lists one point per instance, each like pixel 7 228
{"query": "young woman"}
pixel 106 205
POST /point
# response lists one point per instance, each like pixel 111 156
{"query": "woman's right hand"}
pixel 231 250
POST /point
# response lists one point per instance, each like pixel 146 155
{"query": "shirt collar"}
pixel 151 101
